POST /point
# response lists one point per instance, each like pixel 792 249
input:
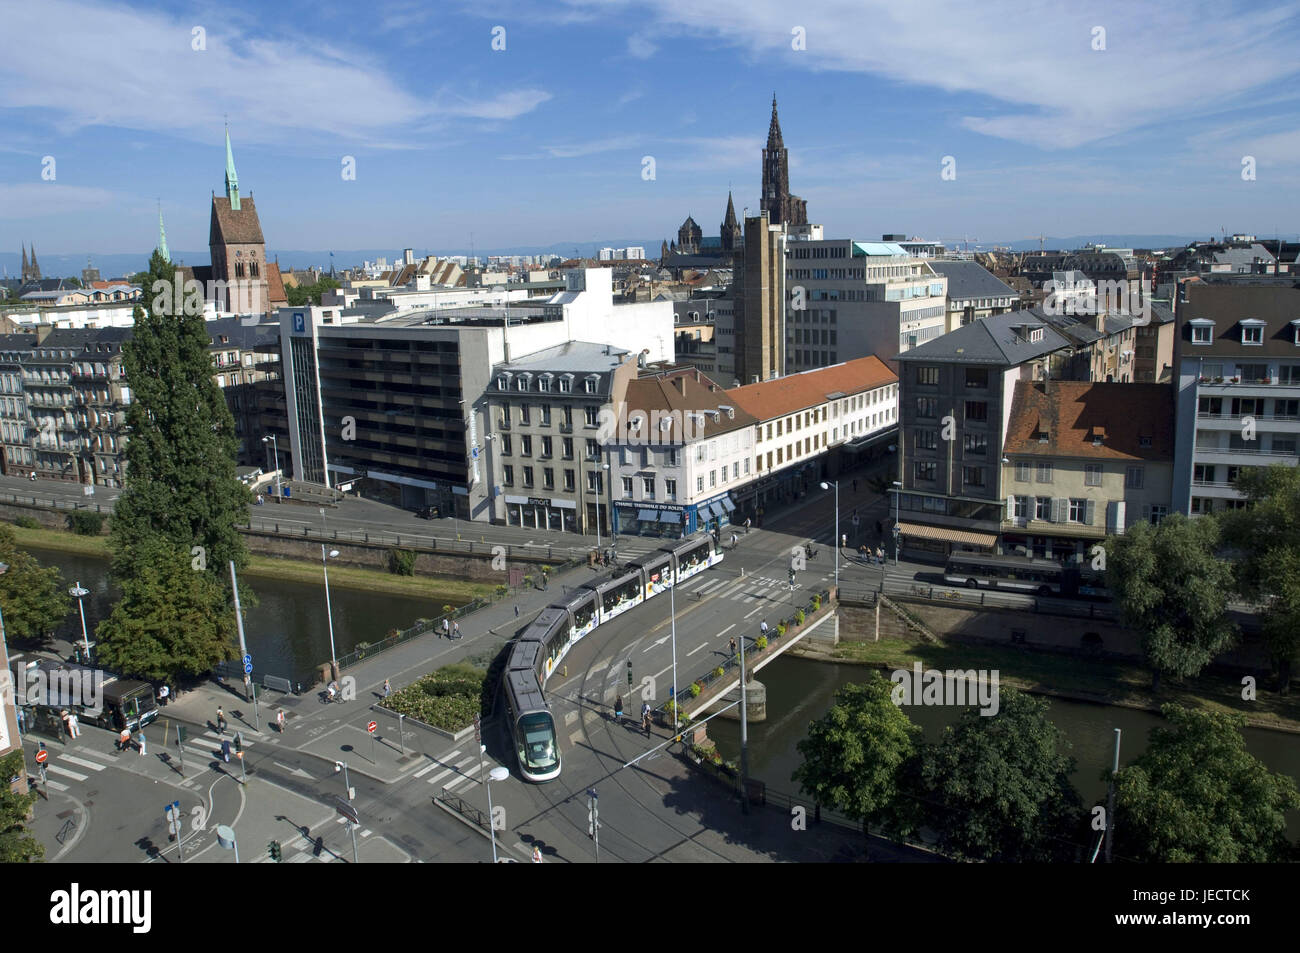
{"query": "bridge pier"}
pixel 755 702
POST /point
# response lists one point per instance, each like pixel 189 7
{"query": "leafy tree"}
pixel 34 599
pixel 1197 796
pixel 172 620
pixel 1266 537
pixel 16 845
pixel 299 295
pixel 1171 587
pixel 1000 785
pixel 853 754
pixel 181 491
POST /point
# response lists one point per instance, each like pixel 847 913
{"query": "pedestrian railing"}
pixel 23 499
pixel 975 598
pixel 466 810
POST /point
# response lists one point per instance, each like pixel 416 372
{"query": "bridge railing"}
pixel 955 596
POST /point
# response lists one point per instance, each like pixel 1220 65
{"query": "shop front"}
pixel 711 515
pixel 541 512
pixel 769 493
pixel 658 521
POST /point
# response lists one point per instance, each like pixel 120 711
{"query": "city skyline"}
pixel 543 144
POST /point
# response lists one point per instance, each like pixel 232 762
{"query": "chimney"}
pixel 681 384
pixel 697 375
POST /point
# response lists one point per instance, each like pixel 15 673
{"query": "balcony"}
pixel 1228 455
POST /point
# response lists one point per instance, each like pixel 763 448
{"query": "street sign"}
pixel 372 726
pixel 248 668
pixel 248 660
pixel 347 811
pixel 42 756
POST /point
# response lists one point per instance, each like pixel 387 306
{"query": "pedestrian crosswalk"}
pixel 747 589
pixel 451 771
pixel 73 768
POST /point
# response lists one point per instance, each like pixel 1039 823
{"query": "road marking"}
pixel 655 644
pixel 439 776
pixel 696 649
pixel 56 785
pixel 726 630
pixel 426 769
pixel 366 833
pixel 92 765
pixel 752 611
pixel 54 768
pixel 570 717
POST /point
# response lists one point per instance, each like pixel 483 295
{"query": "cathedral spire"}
pixel 36 269
pixel 24 271
pixel 730 218
pixel 774 129
pixel 232 180
pixel 162 235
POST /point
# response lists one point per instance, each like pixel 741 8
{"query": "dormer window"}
pixel 1295 332
pixel 503 382
pixel 566 383
pixel 1252 331
pixel 1202 331
pixel 1144 442
pixel 589 385
pixel 1036 334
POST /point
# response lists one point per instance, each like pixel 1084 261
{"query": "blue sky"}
pixel 542 143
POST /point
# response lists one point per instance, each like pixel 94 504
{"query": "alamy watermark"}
pixel 70 686
pixel 1090 298
pixel 952 687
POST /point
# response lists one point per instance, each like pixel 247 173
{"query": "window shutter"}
pixel 1090 512
pixel 1146 512
pixel 1059 510
pixel 1011 507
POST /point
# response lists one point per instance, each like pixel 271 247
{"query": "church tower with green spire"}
pixel 162 236
pixel 232 179
pixel 238 250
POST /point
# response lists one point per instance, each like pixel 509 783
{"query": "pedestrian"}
pixel 748 523
pixel 545 583
pixel 880 555
pixel 455 630
pixel 279 719
pixel 332 689
pixel 731 645
pixel 221 720
pixel 142 744
pixel 74 727
pixel 388 689
pixel 446 627
pixel 645 717
pixel 63 717
pixel 124 740
pixel 22 721
pixel 762 627
pixel 516 610
pixel 163 694
pixel 537 855
pixel 844 540
pixel 225 750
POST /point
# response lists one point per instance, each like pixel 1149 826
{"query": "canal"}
pixel 801 690
pixel 287 632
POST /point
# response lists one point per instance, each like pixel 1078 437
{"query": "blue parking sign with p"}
pixel 299 322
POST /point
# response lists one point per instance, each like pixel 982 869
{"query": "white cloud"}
pixel 110 65
pixel 641 46
pixel 40 199
pixel 1033 60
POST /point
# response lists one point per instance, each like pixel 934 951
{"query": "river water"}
pixel 801 690
pixel 287 633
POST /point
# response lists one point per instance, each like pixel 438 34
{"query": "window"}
pixel 977 377
pixel 568 448
pixel 589 415
pixel 546 415
pixel 568 480
pixel 1281 408
pixel 1044 473
pixel 670 489
pixel 1078 511
pixel 671 458
pixel 548 478
pixel 648 484
pixel 927 375
pixel 1022 472
pixel 1043 508
pixel 972 476
pixel 524 415
pixel 747 466
pixel 976 444
pixel 566 384
pixel 1133 478
pixel 594 481
pixel 1202 334
pixel 977 410
pixel 593 450
pixel 1250 334
pixel 1021 508
pixel 546 446
pixel 735 469
pixel 508 475
pixel 505 444
pixel 925 470
pixel 1158 513
pixel 1092 474
pixel 1288 373
pixel 528 476
pixel 699 484
pixel 568 417
pixel 713 478
pixel 544 385
pixel 627 487
pixel 1144 442
pixel 1203 473
pixel 526 446
pixel 927 407
pixel 589 385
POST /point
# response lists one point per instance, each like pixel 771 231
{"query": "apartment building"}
pixel 19 456
pixel 1082 461
pixel 974 292
pixel 1237 360
pixel 548 411
pixel 813 425
pixel 401 403
pixel 955 404
pixel 246 366
pixel 681 449
pixel 849 299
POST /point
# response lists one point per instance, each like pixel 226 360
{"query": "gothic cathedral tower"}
pixel 782 207
pixel 237 247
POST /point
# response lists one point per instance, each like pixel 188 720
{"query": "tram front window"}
pixel 539 741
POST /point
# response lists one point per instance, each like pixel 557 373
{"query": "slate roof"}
pixel 1072 413
pixel 966 279
pixel 988 341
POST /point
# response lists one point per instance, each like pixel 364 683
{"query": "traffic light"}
pixel 629 671
pixel 273 849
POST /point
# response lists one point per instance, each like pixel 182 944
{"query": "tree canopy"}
pixel 33 598
pixel 16 845
pixel 299 295
pixel 1198 796
pixel 1172 588
pixel 999 786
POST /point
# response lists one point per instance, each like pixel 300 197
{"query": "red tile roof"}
pixel 687 392
pixel 785 395
pixel 1072 413
pixel 234 228
pixel 275 286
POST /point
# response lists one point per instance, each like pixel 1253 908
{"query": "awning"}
pixel 711 510
pixel 949 535
pixel 729 506
pixel 647 516
pixel 670 516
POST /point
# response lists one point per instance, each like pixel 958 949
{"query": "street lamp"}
pixel 827 486
pixel 498 773
pixel 275 447
pixel 78 593
pixel 897 534
pixel 347 787
pixel 608 477
pixel 226 838
pixel 329 612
